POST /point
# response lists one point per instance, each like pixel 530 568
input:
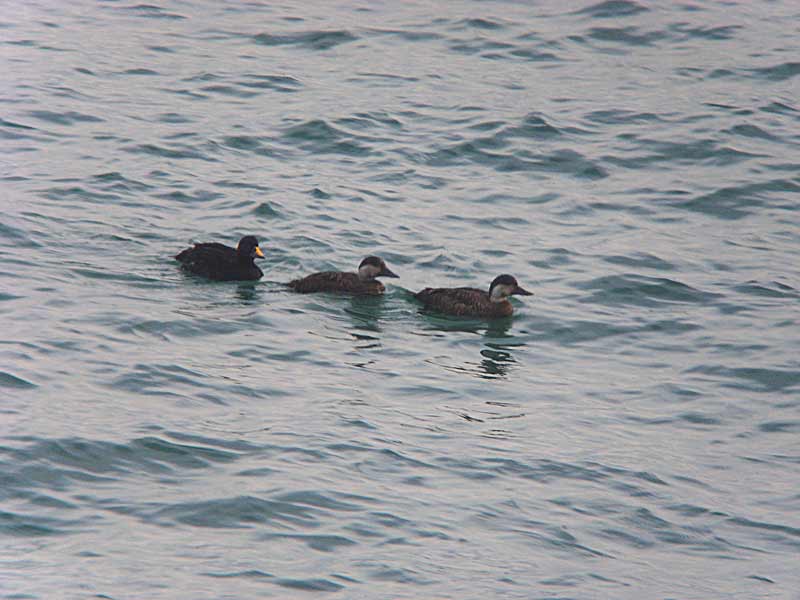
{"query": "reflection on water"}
pixel 488 414
pixel 490 328
pixel 357 321
pixel 489 367
pixel 248 293
pixel 365 311
pixel 498 358
pixel 495 363
pixel 496 354
pixel 498 328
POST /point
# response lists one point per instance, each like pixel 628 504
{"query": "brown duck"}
pixel 472 302
pixel 363 282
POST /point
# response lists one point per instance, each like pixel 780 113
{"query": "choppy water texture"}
pixel 632 432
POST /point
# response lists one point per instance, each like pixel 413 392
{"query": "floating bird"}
pixel 223 263
pixel 472 302
pixel 360 283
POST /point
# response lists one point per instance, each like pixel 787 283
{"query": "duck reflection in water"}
pixel 497 359
pixel 357 321
pixel 365 313
pixel 495 364
pixel 247 293
pixel 496 353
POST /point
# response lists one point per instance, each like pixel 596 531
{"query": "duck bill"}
pixel 258 252
pixel 385 272
pixel 522 292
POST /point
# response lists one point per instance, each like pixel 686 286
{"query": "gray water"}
pixel 632 432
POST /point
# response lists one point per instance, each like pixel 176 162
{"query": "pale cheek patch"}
pixel 500 293
pixel 368 271
pixel 494 295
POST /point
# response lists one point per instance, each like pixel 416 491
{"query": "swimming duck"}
pixel 223 263
pixel 471 302
pixel 363 282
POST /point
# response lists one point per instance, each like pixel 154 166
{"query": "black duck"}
pixel 223 263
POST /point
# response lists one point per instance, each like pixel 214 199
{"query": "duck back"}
pixel 465 302
pixel 335 281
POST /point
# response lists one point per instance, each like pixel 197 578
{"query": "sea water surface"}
pixel 632 432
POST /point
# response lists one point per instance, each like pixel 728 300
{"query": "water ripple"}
pixel 313 40
pixel 615 290
pixel 611 9
pixel 636 168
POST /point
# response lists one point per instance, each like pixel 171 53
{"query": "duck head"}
pixel 372 267
pixel 248 247
pixel 504 286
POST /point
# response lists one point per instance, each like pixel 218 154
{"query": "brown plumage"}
pixel 361 283
pixel 472 302
pixel 336 281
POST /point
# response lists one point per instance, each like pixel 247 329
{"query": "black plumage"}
pixel 223 263
pixel 362 283
pixel 472 302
